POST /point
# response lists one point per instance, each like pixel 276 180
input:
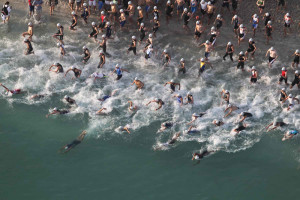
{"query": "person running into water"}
pixel 124 128
pixel 69 100
pixel 251 49
pixel 217 122
pixel 244 115
pixel 296 80
pixel 208 48
pixel 182 66
pixel 269 30
pixel 62 50
pixel 59 68
pixel 105 97
pixel 15 91
pixel 131 107
pixel 94 32
pixel 60 34
pixel 119 71
pixel 132 46
pixel 56 111
pixel 283 94
pixel 85 13
pixel 29 32
pixel 229 51
pixel 287 23
pixel 236 24
pixel 77 72
pixel 272 56
pixel 139 84
pixel 289 134
pixel 242 32
pixel 158 101
pixel 254 75
pixel 199 29
pixel 203 65
pixel 240 127
pixel 74 21
pixel 254 22
pixel 165 125
pixel 97 75
pixel 225 96
pixel 296 59
pixel 261 5
pixel 102 59
pixel 189 97
pixel 172 85
pixel 231 108
pixel 166 58
pixel 75 142
pixel 179 99
pixel 283 76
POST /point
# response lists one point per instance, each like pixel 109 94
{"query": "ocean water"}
pixel 113 165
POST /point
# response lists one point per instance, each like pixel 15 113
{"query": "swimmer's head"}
pixel 229 105
pixel 142 24
pixel 272 48
pixel 26 40
pixel 189 93
pixel 55 109
pixel 209 3
pixel 270 22
pixel 254 68
pixel 55 64
pixel 73 13
pixel 242 26
pixel 139 8
pixel 202 1
pixel 287 14
pixel 102 12
pixel 243 113
pixel 120 127
pixel 155 18
pixel 101 52
pixel 168 2
pixel 296 72
pixel 156 99
pixel 72 68
pixel 229 43
pixel 107 23
pixel 267 14
pixel 283 69
pixel 241 53
pixel 66 96
pixel 121 11
pixel 155 7
pixel 290 95
pixel 181 60
pixel 58 44
pixel 84 5
pixel 129 3
pixel 255 15
pixel 202 59
pixel 93 24
pixel 283 89
pixel 194 114
pixel 235 16
pixel 111 3
pixel 58 25
pixel 136 78
pixel 226 91
pixel 133 37
pixel 165 50
pixel 251 40
pixel 213 28
pixel 150 35
pixel 103 36
pixel 206 42
pixel 172 81
pixel 218 16
pixel 297 51
pixel 185 10
pixel 197 22
pixel 29 24
pixel 117 65
pixel 84 48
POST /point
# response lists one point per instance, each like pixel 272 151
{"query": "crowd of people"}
pixel 146 15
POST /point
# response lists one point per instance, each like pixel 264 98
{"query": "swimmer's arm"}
pixel 125 70
pixel 268 125
pixel 230 111
pixel 166 83
pixel 159 106
pixel 179 86
pixel 126 129
pixel 52 113
pixel 4 87
pixel 99 111
pixel 267 52
pixel 67 72
pixel 297 100
pixel 201 46
pixel 133 82
pixel 191 122
pixel 244 117
pixel 149 102
pixel 51 67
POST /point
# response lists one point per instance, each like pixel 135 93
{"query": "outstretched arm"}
pixel 126 129
pixel 4 87
pixel 67 72
pixel 99 111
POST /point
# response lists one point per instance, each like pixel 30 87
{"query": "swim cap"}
pixel 156 99
pixel 72 67
pixel 290 95
pixel 142 24
pixel 133 37
pixel 58 25
pixel 202 59
pixel 29 24
pixel 93 23
pixel 129 2
pixel 288 14
pixel 150 35
pixel 155 18
pixel 139 8
pixel 121 10
pixel 272 48
pixel 168 2
pixel 55 108
pixel 102 12
pixel 111 3
pixel 243 113
pixel 55 63
pixel 101 51
pixel 283 89
pixel 209 3
pixel 202 1
pixel 235 16
pixel 283 69
pixel 185 10
pixel 229 43
pixel 212 28
pixel 267 14
pixel 218 16
pixel 181 60
pixel 25 40
pixel 84 4
pixel 270 22
pixel 84 47
pixel 297 51
pixel 107 23
pixel 66 96
pixel 296 72
pixel 73 13
pixel 198 22
pixel 188 93
pixel 171 80
pixel 255 15
pixel 58 44
pixel 197 157
pixel 136 78
pixel 120 127
pixel 253 67
pixel 241 53
pixel 194 114
pixel 155 7
pixel 251 40
pixel 242 25
pixel 207 42
pixel 165 51
pixel 117 65
pixel 229 105
pixel 103 36
pixel 226 91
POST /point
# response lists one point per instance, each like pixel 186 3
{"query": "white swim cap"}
pixel 242 25
pixel 55 63
pixel 241 53
pixel 101 51
pixel 84 4
pixel 255 15
pixel 207 42
pixel 58 44
pixel 168 2
pixel 297 51
pixel 189 93
pixel 93 23
pixel 283 69
pixel 120 127
pixel 290 95
pixel 25 40
pixel 111 3
pixel 202 1
pixel 283 89
pixel 270 22
pixel 72 67
pixel 58 25
pixel 156 99
pixel 272 48
pixel 136 78
pixel 209 3
pixel 155 18
pixel 296 72
pixel 155 7
pixel 181 60
pixel 229 43
pixel 55 108
pixel 117 65
pixel 129 2
pixel 107 23
pixel 288 14
pixel 229 105
pixel 142 24
pixel 66 96
pixel 171 80
pixel 150 35
pixel 202 59
pixel 165 50
pixel 133 37
pixel 84 47
pixel 29 24
pixel 73 13
pixel 251 40
pixel 102 12
pixel 194 114
pixel 198 22
pixel 212 28
pixel 235 16
pixel 121 10
pixel 267 14
pixel 103 36
pixel 226 91
pixel 139 8
pixel 185 10
pixel 218 16
pixel 253 67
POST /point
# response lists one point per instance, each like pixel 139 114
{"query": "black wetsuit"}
pixel 296 80
pixel 76 72
pixel 296 59
pixel 235 24
pixel 93 33
pixel 246 114
pixel 182 68
pixel 169 11
pixel 142 33
pixel 269 30
pixel 219 24
pixel 74 22
pixel 234 4
pixel 86 55
pixel 61 112
pixel 241 61
pixel 283 96
pixel 61 37
pixel 133 47
pixel 229 52
pixel 60 68
pixel 73 144
pixel 186 19
pixel 268 18
pixel 251 47
pixel 156 14
pixel 108 31
pixel 155 27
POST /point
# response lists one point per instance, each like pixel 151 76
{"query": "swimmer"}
pixel 254 75
pixel 103 21
pixel 59 68
pixel 241 61
pixel 132 46
pixel 173 140
pixel 62 49
pixel 296 59
pixel 108 96
pixel 193 6
pixel 225 4
pixel 92 3
pixel 139 84
pixel 97 75
pixel 57 111
pixel 156 25
pixel 281 3
pixel 99 112
pixel 210 11
pixel 75 142
pixel 69 100
pixel 287 23
pixel 276 123
pixel 94 32
pixel 195 117
pixel 103 44
pixel 124 128
pixel 291 100
pixel 52 5
pixel 199 156
pixel 269 30
pixel 140 15
pixel 37 96
pixel 283 76
pixel 231 108
pixel 289 134
pixel 267 17
pixel 217 122
pixel 165 126
pixel 261 5
pixel 86 53
pixel 191 130
pixel 172 85
pixel 225 96
pixel 169 11
pixel 77 72
pixel 219 22
pixel 74 21
pixel 119 71
pixel 242 126
pixel 149 42
pixel 283 94
pixel 142 31
pixel 131 107
pixel 158 101
pixel 186 16
pixel 122 19
pixel 296 80
pixel 213 36
pixel 85 13
pixel 29 31
pixel 199 29
pixel 15 91
pixel 149 51
pixel 203 64
pixel 102 59
pixel 244 115
pixel 71 4
pixel 208 48
pixel 203 7
pixel 254 23
pixel 251 49
pixel 29 49
pixel 190 98
pixel 229 51
pixel 272 57
pixel 180 5
pixel 242 32
pixel 182 66
pixel 236 24
pixel 166 58
pixel 179 98
pixel 60 34
pixel 130 11
pixel 108 32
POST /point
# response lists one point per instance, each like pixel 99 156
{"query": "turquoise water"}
pixel 128 168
